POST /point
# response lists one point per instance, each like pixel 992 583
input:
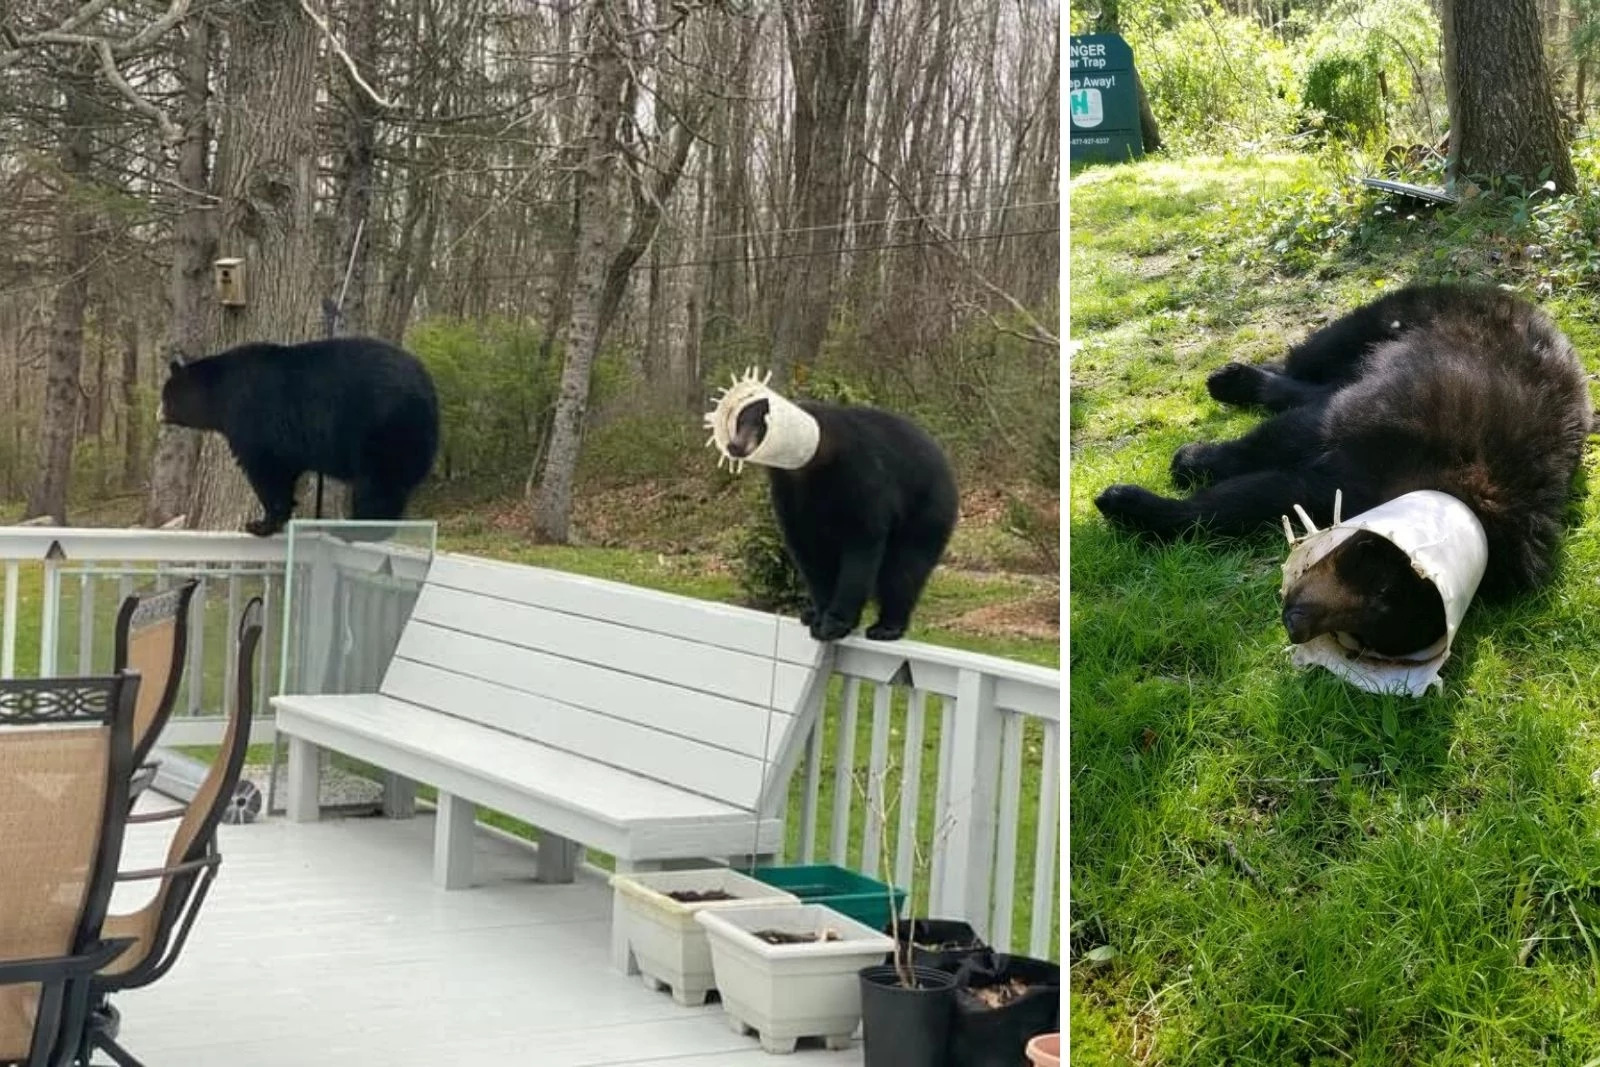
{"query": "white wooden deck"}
pixel 327 943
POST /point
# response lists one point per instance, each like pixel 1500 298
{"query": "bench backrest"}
pixel 708 697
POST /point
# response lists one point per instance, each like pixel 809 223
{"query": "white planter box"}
pixel 665 942
pixel 786 992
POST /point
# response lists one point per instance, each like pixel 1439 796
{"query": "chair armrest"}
pixel 55 968
pixel 164 872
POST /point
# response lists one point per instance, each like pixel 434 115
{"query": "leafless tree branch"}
pixel 350 64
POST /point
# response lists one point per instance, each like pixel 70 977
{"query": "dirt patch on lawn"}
pixel 1037 617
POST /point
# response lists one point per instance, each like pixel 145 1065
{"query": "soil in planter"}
pixel 700 896
pixel 778 937
pixel 996 996
pixel 1001 1002
pixel 950 946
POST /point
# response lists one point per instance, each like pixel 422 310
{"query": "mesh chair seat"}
pixel 65 757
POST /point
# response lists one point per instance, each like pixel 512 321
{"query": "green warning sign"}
pixel 1103 104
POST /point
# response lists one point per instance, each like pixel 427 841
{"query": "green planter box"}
pixel 866 900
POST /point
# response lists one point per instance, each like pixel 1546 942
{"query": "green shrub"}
pixel 1372 71
pixel 767 576
pixel 648 445
pixel 494 395
pixel 1344 90
pixel 1216 83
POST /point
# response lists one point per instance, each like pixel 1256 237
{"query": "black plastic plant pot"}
pixel 942 944
pixel 984 1036
pixel 906 1026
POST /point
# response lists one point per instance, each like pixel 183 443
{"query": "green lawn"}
pixel 1269 867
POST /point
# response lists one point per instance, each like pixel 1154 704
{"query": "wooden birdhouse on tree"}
pixel 228 275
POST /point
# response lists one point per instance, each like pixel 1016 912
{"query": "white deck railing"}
pixel 936 767
pixel 975 836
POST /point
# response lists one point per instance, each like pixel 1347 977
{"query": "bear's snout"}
pixel 1297 619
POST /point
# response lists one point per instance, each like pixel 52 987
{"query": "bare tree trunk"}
pixel 647 208
pixel 58 429
pixel 132 422
pixel 356 170
pixel 194 246
pixel 656 344
pixel 552 502
pixel 1503 118
pixel 1579 88
pixel 828 46
pixel 265 170
pixel 412 263
pixel 559 307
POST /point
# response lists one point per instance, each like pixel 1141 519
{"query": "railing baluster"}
pixel 941 802
pixel 85 622
pixel 877 781
pixel 844 767
pixel 1005 859
pixel 50 619
pixel 813 794
pixel 230 669
pixel 8 649
pixel 968 820
pixel 905 841
pixel 1047 844
pixel 271 650
pixel 196 670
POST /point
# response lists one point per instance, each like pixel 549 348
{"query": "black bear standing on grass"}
pixel 864 498
pixel 353 408
pixel 1467 390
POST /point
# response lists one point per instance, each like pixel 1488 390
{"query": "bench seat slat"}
pixel 724 625
pixel 651 704
pixel 687 763
pixel 684 661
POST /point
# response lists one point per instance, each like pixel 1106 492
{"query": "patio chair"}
pixel 65 758
pixel 159 929
pixel 152 638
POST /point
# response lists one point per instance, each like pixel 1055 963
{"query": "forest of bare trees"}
pixel 642 194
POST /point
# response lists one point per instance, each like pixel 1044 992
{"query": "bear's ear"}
pixel 174 366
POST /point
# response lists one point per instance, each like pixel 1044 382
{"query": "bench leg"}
pixel 452 842
pixel 621 951
pixel 745 861
pixel 558 859
pixel 399 796
pixel 305 764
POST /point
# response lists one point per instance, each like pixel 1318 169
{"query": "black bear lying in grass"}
pixel 1467 390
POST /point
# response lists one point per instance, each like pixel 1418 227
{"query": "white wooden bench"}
pixel 654 727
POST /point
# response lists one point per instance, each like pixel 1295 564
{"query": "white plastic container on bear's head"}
pixel 1446 545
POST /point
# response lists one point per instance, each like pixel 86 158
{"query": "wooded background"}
pixel 1387 78
pixel 581 215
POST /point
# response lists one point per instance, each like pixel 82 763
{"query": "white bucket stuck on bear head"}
pixel 1446 545
pixel 786 435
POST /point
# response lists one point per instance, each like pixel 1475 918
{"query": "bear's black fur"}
pixel 1464 389
pixel 1367 589
pixel 354 408
pixel 870 514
